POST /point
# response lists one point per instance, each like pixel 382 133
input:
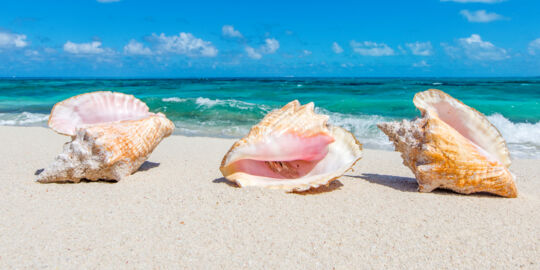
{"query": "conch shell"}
pixel 293 149
pixel 452 146
pixel 112 135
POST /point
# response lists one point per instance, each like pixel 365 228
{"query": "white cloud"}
pixel 93 47
pixel 534 46
pixel 49 50
pixel 350 65
pixel 336 48
pixel 480 16
pixel 252 53
pixel 306 52
pixel 420 48
pixel 475 48
pixel 136 48
pixel 422 63
pixel 229 31
pixel 474 1
pixel 9 40
pixel 184 43
pixel 108 1
pixel 451 51
pixel 31 53
pixel 370 48
pixel 270 46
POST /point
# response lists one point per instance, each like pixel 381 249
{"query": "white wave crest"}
pixel 202 101
pixel 173 99
pixel 523 139
pixel 364 127
pixel 23 119
pixel 233 103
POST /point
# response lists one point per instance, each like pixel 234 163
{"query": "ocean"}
pixel 228 107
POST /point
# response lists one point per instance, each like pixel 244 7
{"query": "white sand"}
pixel 180 213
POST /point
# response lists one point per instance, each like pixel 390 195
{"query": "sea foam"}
pixel 523 139
pixel 173 99
pixel 23 119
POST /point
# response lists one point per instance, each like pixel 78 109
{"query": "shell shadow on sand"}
pixel 409 184
pixel 225 181
pixel 147 165
pixel 406 184
pixel 334 185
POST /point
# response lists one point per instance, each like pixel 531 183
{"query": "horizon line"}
pixel 259 77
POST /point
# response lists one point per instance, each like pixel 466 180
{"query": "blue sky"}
pixel 130 38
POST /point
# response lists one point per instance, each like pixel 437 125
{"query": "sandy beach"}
pixel 178 212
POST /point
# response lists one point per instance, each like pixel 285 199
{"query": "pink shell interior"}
pixel 454 117
pixel 93 108
pixel 297 152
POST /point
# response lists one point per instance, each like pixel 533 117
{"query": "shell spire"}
pixel 452 146
pixel 294 118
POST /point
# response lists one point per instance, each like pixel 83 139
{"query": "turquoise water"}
pixel 228 107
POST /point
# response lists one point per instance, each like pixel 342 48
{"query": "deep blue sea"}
pixel 229 107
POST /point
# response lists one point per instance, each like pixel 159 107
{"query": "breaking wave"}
pixel 523 139
pixel 23 119
pixel 231 118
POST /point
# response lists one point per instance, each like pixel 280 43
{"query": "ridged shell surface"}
pixel 293 149
pixel 94 108
pixel 452 146
pixel 109 150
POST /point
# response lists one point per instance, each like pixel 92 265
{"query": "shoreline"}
pixel 365 145
pixel 178 211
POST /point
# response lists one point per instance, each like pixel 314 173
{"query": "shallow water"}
pixel 228 107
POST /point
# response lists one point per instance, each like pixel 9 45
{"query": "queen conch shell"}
pixel 112 135
pixel 291 149
pixel 452 146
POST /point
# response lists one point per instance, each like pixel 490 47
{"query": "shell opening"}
pixel 95 108
pixel 453 112
pixel 285 156
pixel 292 149
pixel 275 169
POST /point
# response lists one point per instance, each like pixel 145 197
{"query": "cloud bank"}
pixel 229 31
pixel 93 47
pixel 9 40
pixel 420 48
pixel 480 16
pixel 336 48
pixel 184 44
pixel 369 48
